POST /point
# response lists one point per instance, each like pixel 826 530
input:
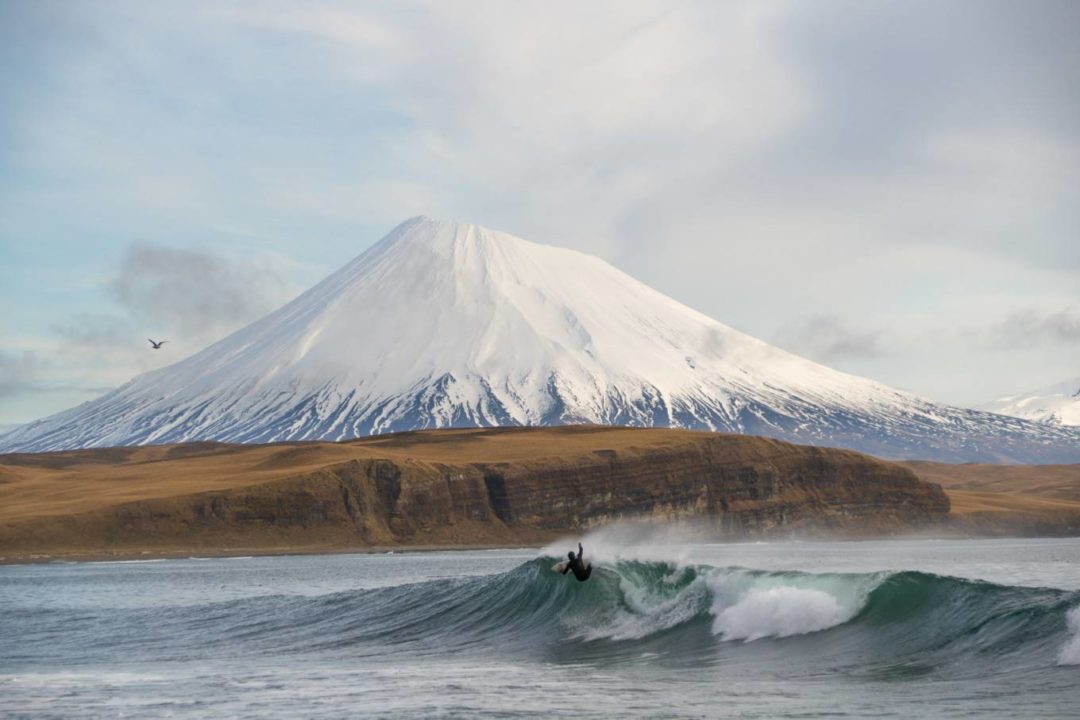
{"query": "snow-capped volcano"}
pixel 446 324
pixel 1058 404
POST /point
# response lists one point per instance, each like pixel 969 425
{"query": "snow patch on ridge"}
pixel 1057 405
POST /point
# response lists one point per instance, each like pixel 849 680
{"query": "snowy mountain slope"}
pixel 445 324
pixel 1058 404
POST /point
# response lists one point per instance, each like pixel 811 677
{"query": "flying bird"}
pixel 157 345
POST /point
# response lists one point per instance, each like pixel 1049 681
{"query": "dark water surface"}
pixel 986 628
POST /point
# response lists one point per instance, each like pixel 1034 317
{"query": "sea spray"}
pixel 667 542
pixel 1070 653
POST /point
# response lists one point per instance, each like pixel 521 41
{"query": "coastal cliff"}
pixel 444 488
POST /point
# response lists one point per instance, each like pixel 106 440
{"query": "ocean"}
pixel 903 628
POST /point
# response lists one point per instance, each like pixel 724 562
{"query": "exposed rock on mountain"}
pixel 451 325
pixel 1058 404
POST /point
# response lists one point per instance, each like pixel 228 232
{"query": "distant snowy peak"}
pixel 1057 405
pixel 445 324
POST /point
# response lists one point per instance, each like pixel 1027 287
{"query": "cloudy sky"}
pixel 892 189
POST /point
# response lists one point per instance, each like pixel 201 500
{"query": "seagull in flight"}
pixel 157 345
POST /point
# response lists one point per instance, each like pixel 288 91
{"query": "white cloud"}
pixel 525 116
pixel 829 337
pixel 914 172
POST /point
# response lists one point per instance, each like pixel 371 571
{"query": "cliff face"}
pixel 481 487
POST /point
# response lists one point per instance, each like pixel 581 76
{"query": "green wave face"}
pixel 879 625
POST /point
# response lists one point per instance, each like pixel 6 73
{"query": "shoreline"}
pixel 77 556
pixel 481 489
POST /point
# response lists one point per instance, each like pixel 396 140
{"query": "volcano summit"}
pixel 445 324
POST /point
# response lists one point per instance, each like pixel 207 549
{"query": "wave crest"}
pixel 780 612
pixel 1070 653
pixel 633 609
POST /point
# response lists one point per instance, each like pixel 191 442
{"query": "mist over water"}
pixel 665 628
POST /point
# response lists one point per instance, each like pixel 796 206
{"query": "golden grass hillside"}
pixel 441 488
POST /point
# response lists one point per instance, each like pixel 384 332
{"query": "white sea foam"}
pixel 649 612
pixel 1070 653
pixel 780 612
pixel 749 606
pixel 75 679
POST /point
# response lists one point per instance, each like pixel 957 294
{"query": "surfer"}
pixel 577 565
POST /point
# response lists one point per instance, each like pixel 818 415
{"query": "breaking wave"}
pixel 1070 653
pixel 629 609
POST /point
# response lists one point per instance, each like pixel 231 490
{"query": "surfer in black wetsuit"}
pixel 580 569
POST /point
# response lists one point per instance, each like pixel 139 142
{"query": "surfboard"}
pixel 560 567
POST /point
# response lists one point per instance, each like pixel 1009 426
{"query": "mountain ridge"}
pixel 1057 404
pixel 446 324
